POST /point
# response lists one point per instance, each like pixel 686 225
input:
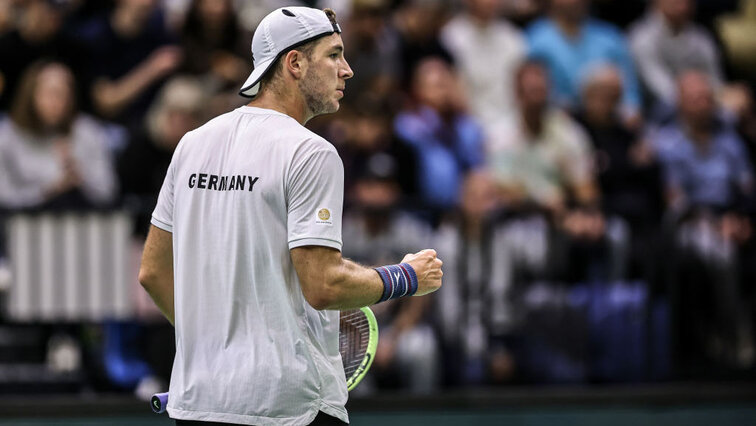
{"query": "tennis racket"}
pixel 358 340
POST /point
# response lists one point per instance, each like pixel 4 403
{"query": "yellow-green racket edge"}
pixel 367 361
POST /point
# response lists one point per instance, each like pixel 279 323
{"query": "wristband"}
pixel 398 281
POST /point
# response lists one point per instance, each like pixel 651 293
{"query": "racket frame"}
pixel 372 346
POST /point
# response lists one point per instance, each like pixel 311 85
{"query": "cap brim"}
pixel 252 85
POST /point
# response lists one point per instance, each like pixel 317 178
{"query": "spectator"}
pixel 540 156
pixel 569 43
pixel 214 46
pixel 446 141
pixel 131 54
pixel 541 161
pixel 705 161
pixel 37 35
pixel 376 231
pixel 486 50
pixel 178 108
pixel 708 184
pixel 667 42
pixel 51 155
pixel 473 313
pixel 365 130
pixel 372 49
pixel 627 169
pixel 628 172
pixel 418 23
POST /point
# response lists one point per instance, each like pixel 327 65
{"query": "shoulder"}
pixel 506 31
pixel 567 129
pixel 504 134
pixel 605 31
pixel 413 123
pixel 6 126
pixel 643 32
pixel 11 133
pixel 309 143
pixel 540 29
pixel 732 141
pixel 457 27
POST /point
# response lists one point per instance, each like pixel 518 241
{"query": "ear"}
pixel 295 63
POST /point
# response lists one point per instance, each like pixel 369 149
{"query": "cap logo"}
pixel 287 12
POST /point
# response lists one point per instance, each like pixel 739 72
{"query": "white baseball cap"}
pixel 280 31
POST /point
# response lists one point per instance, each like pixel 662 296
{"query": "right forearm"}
pixel 350 286
pixel 331 282
pixel 112 96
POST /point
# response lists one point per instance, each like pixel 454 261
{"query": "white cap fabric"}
pixel 279 32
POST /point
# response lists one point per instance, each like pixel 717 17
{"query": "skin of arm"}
pixel 331 282
pixel 156 272
pixel 112 96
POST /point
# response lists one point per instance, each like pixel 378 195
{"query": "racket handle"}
pixel 158 402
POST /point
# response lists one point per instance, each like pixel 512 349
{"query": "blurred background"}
pixel 585 169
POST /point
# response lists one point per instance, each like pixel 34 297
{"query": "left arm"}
pixel 156 272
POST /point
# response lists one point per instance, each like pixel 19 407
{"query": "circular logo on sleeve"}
pixel 324 214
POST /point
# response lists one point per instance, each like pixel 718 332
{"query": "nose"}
pixel 346 71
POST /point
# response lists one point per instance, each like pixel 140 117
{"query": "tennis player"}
pixel 243 255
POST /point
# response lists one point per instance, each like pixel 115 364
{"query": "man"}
pixel 244 252
pixel 667 42
pixel 709 186
pixel 471 36
pixel 445 140
pixel 569 42
pixel 540 156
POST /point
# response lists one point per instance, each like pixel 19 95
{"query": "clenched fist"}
pixel 427 267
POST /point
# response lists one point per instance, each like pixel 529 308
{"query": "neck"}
pixel 598 120
pixel 570 27
pixel 699 133
pixel 481 19
pixel 676 26
pixel 285 103
pixel 533 120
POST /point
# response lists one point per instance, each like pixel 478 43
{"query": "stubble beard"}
pixel 317 102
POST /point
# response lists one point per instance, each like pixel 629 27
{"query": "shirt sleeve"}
pixel 315 194
pixel 655 75
pixel 162 216
pixel 741 166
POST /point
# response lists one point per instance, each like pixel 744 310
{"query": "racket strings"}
pixel 353 339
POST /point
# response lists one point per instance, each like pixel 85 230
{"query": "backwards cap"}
pixel 280 31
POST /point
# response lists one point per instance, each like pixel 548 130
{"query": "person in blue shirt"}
pixel 705 161
pixel 570 43
pixel 709 184
pixel 446 141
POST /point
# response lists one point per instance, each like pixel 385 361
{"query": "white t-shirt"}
pixel 241 191
pixel 487 57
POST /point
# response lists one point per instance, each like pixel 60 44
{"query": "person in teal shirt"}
pixel 570 44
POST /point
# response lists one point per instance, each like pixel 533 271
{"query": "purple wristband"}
pixel 398 281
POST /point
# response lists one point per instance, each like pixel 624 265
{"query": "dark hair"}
pixel 331 15
pixel 23 110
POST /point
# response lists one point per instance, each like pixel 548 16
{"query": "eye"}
pixel 334 55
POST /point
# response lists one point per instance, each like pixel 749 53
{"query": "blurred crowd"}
pixel 585 169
